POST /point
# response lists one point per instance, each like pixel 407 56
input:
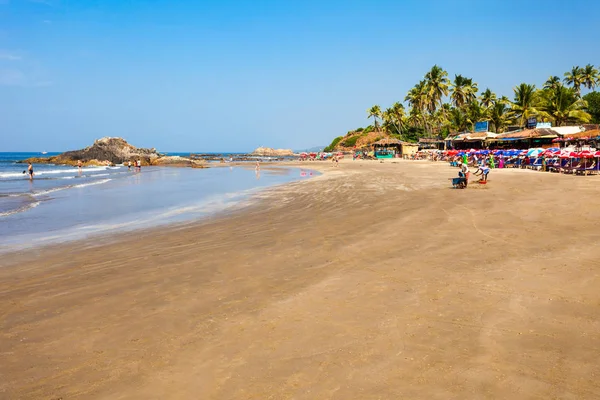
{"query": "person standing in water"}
pixel 79 166
pixel 30 170
pixel 129 165
pixel 257 168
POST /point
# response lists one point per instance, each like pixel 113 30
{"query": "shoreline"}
pixel 375 279
pixel 235 202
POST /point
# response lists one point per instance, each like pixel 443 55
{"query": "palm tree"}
pixel 562 104
pixel 475 113
pixel 525 101
pixel 374 112
pixel 417 99
pixel 458 119
pixel 487 98
pixel 500 115
pixel 399 114
pixel 590 77
pixel 463 91
pixel 437 87
pixel 575 78
pixel 552 82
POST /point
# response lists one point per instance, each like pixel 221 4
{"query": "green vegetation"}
pixel 593 106
pixel 333 144
pixel 437 106
pixel 351 141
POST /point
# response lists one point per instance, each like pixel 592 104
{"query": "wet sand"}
pixel 372 281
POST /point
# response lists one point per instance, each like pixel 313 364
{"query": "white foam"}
pixel 38 172
pixel 48 191
pixel 20 209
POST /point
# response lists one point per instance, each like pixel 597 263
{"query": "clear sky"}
pixel 229 75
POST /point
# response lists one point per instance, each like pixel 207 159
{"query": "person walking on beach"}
pixel 139 165
pixel 129 165
pixel 257 168
pixel 30 170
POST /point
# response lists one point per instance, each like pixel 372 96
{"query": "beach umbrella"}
pixel 534 152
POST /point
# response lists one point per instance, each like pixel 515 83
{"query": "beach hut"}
pixel 387 148
pixel 469 140
pixel 432 143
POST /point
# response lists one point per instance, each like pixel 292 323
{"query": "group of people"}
pixel 137 167
pixel 483 170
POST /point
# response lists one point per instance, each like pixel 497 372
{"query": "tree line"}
pixel 439 106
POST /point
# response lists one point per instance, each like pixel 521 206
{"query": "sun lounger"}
pixel 586 169
pixel 571 168
pixel 537 163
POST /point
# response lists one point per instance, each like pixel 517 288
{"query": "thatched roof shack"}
pixel 472 136
pixel 385 142
pixel 432 143
pixel 539 133
pixel 584 135
pixel 469 139
pixel 404 148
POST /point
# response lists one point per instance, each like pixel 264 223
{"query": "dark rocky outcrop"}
pixel 106 151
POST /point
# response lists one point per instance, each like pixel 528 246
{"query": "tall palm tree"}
pixel 417 98
pixel 552 82
pixel 399 114
pixel 562 104
pixel 590 77
pixel 464 91
pixel 374 112
pixel 524 103
pixel 500 115
pixel 437 87
pixel 487 98
pixel 575 79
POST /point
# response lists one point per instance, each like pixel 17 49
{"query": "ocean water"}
pixel 62 204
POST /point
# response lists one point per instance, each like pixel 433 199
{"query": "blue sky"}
pixel 234 75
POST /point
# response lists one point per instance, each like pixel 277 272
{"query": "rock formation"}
pixel 269 152
pixel 105 151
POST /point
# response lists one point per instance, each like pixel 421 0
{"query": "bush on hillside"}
pixel 334 143
pixel 351 141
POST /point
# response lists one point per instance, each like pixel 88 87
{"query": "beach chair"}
pixel 536 164
pixel 558 164
pixel 588 168
pixel 571 167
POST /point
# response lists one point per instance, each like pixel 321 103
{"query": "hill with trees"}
pixel 437 106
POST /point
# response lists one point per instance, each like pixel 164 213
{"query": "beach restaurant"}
pixel 391 148
pixel 469 140
pixel 543 137
pixel 530 138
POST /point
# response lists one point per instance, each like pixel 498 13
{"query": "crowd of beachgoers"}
pixel 584 161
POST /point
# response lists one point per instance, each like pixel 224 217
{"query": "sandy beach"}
pixel 371 281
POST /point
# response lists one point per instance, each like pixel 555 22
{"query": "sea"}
pixel 62 203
